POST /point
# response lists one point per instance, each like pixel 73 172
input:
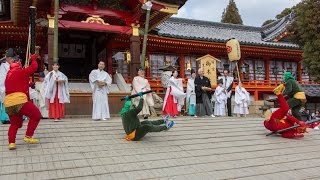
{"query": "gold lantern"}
pixel 188 65
pixel 127 57
pixel 146 63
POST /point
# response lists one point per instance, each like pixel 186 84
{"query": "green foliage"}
pixel 268 22
pixel 231 14
pixel 306 28
pixel 285 12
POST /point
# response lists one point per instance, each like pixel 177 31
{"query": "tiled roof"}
pixel 275 29
pixel 311 90
pixel 216 32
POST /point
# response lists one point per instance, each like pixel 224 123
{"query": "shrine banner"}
pixel 209 65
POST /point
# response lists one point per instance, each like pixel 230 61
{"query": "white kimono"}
pixel 4 68
pixel 227 81
pixel 40 98
pixel 177 92
pixel 191 93
pixel 242 99
pixel 51 87
pixel 220 101
pixel 140 84
pixel 100 109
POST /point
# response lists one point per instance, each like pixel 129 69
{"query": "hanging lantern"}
pixel 146 63
pixel 127 57
pixel 188 65
pixel 233 50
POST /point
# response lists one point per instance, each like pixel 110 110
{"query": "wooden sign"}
pixel 209 65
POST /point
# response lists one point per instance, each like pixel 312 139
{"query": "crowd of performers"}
pixel 46 98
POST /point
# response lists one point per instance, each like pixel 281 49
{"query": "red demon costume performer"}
pixel 17 101
pixel 279 119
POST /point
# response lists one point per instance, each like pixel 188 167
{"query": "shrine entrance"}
pixel 80 52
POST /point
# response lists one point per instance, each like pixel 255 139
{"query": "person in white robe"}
pixel 57 92
pixel 227 84
pixel 220 95
pixel 191 95
pixel 140 84
pixel 100 81
pixel 174 98
pixel 40 100
pixel 242 99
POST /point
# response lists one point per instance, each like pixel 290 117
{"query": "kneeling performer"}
pixel 280 120
pixel 135 129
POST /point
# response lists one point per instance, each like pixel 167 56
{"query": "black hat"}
pixel 10 53
pixel 140 69
pixel 168 68
pixel 41 75
pixel 193 71
pixel 220 81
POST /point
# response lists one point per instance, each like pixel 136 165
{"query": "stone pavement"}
pixel 202 148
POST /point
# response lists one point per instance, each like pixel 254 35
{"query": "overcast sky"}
pixel 253 12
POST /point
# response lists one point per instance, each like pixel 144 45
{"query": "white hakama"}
pixel 220 101
pixel 242 99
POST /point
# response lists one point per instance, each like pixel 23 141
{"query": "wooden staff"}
pixel 31 47
pixel 293 127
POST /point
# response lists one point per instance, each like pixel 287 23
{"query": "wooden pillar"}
pixel 50 49
pixel 299 69
pixel 267 68
pixel 256 95
pixel 135 55
pixel 182 66
pixel 108 61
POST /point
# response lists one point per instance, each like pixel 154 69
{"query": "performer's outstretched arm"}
pixel 33 66
pixel 137 109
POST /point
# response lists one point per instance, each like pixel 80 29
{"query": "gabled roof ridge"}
pixel 211 23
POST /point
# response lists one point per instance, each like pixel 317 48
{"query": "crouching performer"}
pixel 280 120
pixel 18 104
pixel 135 129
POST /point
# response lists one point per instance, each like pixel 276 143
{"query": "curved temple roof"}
pixel 221 32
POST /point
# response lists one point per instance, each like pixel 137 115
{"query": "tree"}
pixel 285 12
pixel 306 32
pixel 231 14
pixel 268 22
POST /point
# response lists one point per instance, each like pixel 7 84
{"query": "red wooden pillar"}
pixel 299 68
pixel 182 66
pixel 135 54
pixel 256 95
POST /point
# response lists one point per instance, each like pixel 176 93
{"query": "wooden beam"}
pixel 64 24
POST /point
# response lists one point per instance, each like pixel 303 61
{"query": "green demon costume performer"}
pixel 293 91
pixel 135 129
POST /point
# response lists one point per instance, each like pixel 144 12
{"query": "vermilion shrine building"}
pixel 92 30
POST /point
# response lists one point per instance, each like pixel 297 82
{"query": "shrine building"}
pixel 112 31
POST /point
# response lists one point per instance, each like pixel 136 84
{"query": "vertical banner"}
pixel 209 65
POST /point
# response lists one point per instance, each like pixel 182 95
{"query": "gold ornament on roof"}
pixel 95 19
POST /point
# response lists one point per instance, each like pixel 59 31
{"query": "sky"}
pixel 253 12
